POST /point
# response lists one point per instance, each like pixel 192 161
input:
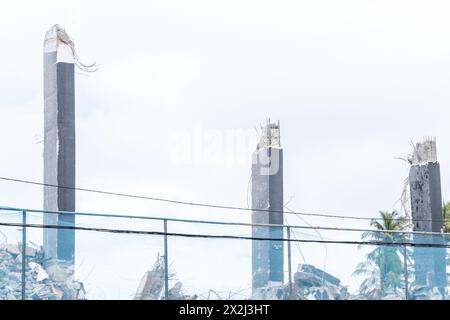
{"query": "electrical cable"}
pixel 325 260
pixel 206 205
pixel 215 236
pixel 108 215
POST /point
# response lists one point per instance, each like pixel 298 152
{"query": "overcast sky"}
pixel 352 83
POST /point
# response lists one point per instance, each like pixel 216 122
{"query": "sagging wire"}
pixel 324 244
pixel 293 235
pixel 209 205
pixel 405 196
pixel 296 243
pixel 225 236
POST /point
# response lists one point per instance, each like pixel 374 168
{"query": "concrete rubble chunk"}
pixel 151 286
pixel 311 283
pixel 39 271
pixel 59 270
pixel 313 270
pixel 425 292
pixel 152 282
pixel 307 280
pixel 17 249
pixel 12 249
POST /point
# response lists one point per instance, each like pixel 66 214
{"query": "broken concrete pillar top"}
pixel 57 39
pixel 270 136
pixel 424 152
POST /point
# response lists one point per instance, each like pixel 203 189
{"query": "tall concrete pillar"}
pixel 426 210
pixel 59 143
pixel 267 194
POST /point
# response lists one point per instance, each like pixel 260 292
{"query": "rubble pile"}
pixel 53 282
pixel 311 283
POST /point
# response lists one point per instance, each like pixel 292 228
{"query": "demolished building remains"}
pixel 51 282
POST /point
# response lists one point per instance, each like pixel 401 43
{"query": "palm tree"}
pixel 446 216
pixel 384 268
pixel 446 229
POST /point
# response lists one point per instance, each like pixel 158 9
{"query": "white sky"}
pixel 352 82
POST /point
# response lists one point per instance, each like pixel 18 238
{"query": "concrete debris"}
pixel 176 293
pixel 272 291
pixel 48 280
pixel 60 271
pixel 311 283
pixel 17 249
pixel 313 270
pixel 151 286
pixel 426 293
pixel 37 269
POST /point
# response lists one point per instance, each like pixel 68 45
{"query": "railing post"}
pixel 289 261
pixel 166 264
pixel 24 252
pixel 405 265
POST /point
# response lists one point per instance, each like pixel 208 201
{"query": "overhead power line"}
pixel 215 236
pixel 207 205
pixel 229 223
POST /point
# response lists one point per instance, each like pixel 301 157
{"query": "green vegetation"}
pixel 384 266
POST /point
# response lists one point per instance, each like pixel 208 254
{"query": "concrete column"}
pixel 267 194
pixel 426 210
pixel 59 143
